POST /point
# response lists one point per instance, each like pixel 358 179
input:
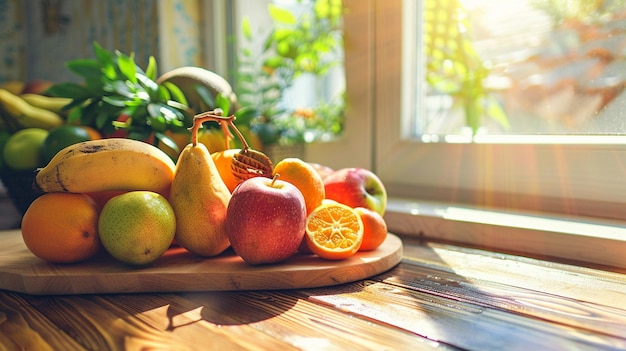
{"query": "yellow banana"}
pixel 26 114
pixel 14 86
pixel 50 103
pixel 107 164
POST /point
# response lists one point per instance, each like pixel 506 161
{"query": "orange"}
pixel 374 229
pixel 92 132
pixel 223 161
pixel 62 227
pixel 304 176
pixel 334 231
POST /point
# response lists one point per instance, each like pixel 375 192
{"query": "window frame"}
pixel 535 180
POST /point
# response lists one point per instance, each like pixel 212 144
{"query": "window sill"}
pixel 593 243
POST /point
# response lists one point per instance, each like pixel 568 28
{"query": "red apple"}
pixel 356 187
pixel 321 169
pixel 36 86
pixel 265 220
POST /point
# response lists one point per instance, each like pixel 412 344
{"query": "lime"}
pixel 4 136
pixel 137 227
pixel 22 150
pixel 61 137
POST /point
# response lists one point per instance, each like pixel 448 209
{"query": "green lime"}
pixel 22 150
pixel 137 227
pixel 61 137
pixel 4 137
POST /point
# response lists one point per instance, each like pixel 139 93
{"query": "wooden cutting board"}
pixel 178 270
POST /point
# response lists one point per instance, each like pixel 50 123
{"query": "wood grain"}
pixel 179 270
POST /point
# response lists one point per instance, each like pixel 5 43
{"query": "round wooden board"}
pixel 178 270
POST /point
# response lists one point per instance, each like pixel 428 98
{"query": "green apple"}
pixel 22 150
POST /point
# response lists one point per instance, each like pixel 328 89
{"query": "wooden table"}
pixel 440 296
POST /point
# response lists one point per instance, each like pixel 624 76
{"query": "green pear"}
pixel 199 198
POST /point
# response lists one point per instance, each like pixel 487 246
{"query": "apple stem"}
pixel 225 122
pixel 274 179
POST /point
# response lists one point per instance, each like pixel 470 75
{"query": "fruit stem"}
pixel 274 179
pixel 228 136
pixel 216 115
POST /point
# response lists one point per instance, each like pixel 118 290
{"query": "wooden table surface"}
pixel 440 297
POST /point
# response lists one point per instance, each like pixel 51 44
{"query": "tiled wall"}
pixel 38 36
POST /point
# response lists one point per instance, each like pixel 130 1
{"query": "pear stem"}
pixel 225 122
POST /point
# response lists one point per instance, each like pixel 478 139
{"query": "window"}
pixel 579 178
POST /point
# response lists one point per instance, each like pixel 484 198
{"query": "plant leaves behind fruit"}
pixel 280 15
pixel 127 67
pixel 175 93
pixel 205 96
pixel 245 27
pixel 223 103
pixel 106 61
pixel 151 70
pixel 69 90
pixel 162 138
pixel 86 68
pixel 246 114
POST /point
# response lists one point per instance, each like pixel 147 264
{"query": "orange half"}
pixel 334 231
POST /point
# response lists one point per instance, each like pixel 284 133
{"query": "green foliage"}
pixel 118 94
pixel 307 43
pixel 454 67
pixel 562 10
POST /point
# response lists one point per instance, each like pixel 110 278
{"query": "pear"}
pixel 199 198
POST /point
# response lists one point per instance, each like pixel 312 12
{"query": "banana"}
pixel 50 103
pixel 26 114
pixel 14 86
pixel 107 164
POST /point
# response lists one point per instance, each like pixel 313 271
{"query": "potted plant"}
pixel 297 45
pixel 119 98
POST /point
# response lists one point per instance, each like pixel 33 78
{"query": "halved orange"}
pixel 334 231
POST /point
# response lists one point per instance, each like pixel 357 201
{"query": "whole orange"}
pixel 374 229
pixel 305 178
pixel 223 161
pixel 62 227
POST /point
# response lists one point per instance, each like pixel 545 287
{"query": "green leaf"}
pixel 281 15
pixel 105 58
pixel 74 116
pixel 245 27
pixel 127 67
pixel 175 92
pixel 205 95
pixel 118 101
pixel 85 68
pixel 157 123
pixel 162 138
pixel 148 84
pixel 246 114
pixel 222 102
pixel 69 90
pixel 151 70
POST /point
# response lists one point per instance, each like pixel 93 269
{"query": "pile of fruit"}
pixel 131 199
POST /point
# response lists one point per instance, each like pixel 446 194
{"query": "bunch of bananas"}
pixel 30 110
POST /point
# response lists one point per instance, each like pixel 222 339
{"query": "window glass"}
pixel 519 67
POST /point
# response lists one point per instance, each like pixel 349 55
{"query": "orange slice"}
pixel 334 231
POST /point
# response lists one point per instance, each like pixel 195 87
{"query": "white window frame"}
pixel 565 200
